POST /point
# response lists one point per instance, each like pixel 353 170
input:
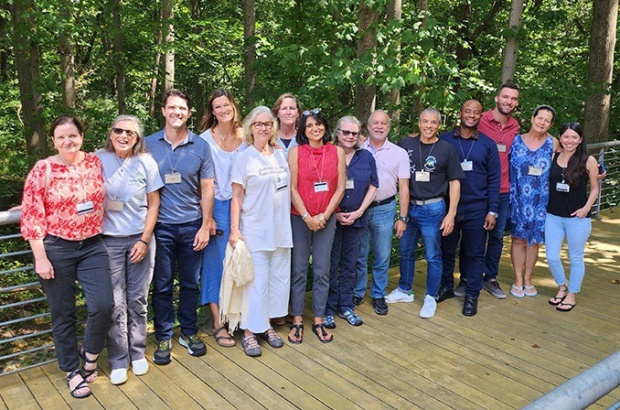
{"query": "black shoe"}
pixel 357 300
pixel 162 353
pixel 445 292
pixel 470 307
pixel 381 308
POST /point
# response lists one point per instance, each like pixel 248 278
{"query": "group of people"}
pixel 144 210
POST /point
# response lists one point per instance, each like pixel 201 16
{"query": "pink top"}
pixel 53 209
pixel 316 166
pixel 501 135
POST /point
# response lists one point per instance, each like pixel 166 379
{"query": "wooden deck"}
pixel 512 352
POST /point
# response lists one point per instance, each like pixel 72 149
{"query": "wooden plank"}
pixel 43 390
pixel 15 393
pixel 58 380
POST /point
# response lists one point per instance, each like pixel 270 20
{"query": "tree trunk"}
pixel 394 13
pixel 602 44
pixel 365 95
pixel 117 56
pixel 27 66
pixel 67 57
pixel 419 89
pixel 198 91
pixel 168 6
pixel 154 79
pixel 512 42
pixel 249 53
pixel 4 46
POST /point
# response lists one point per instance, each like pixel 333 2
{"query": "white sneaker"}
pixel 118 376
pixel 140 367
pixel 429 307
pixel 398 295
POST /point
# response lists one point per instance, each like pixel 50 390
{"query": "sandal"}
pixel 570 307
pixel 530 291
pixel 323 336
pixel 220 339
pixel 81 385
pixel 557 299
pixel 517 291
pixel 272 338
pixel 278 321
pixel 298 335
pixel 88 375
pixel 250 346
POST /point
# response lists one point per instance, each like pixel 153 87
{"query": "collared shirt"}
pixel 180 203
pixel 292 143
pixel 480 187
pixel 362 170
pixel 392 164
pixel 504 135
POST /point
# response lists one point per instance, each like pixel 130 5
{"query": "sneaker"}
pixel 351 317
pixel 250 346
pixel 118 376
pixel 329 321
pixel 492 286
pixel 380 307
pixel 358 300
pixel 273 338
pixel 194 345
pixel 445 292
pixel 162 353
pixel 429 307
pixel 140 367
pixel 398 295
pixel 459 292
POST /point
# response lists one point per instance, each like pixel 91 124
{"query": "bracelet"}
pixel 144 242
pixel 304 216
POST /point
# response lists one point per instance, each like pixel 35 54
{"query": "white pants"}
pixel 268 293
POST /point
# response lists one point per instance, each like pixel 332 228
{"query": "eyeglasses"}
pixel 266 125
pixel 313 112
pixel 120 131
pixel 346 133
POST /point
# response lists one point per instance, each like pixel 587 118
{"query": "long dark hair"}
pixel 576 166
pixel 319 117
pixel 209 120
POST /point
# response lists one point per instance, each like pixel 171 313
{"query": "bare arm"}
pixel 447 225
pixel 342 180
pixel 592 167
pixel 403 200
pixel 42 266
pixel 235 213
pixel 140 249
pixel 207 194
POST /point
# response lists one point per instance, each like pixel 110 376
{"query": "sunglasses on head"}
pixel 313 112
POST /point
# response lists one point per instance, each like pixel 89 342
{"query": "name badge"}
pixel 501 147
pixel 116 206
pixel 321 186
pixel 85 207
pixel 467 165
pixel 281 185
pixel 562 187
pixel 534 171
pixel 172 178
pixel 422 176
pixel 350 184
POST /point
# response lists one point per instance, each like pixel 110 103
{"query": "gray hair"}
pixel 139 147
pixel 379 111
pixel 248 121
pixel 353 120
pixel 432 110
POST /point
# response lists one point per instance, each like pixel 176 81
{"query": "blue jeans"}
pixel 380 229
pixel 424 222
pixel 496 239
pixel 577 231
pixel 345 253
pixel 469 229
pixel 175 249
pixel 213 255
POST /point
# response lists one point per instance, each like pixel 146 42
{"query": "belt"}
pixel 382 202
pixel 79 244
pixel 426 201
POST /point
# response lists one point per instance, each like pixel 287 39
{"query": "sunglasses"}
pixel 120 131
pixel 346 133
pixel 313 112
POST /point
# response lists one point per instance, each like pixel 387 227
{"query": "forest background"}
pixel 96 59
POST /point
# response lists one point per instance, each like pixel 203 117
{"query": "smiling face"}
pixel 429 125
pixel 570 140
pixel 507 100
pixel 379 126
pixel 288 113
pixel 542 121
pixel 176 112
pixel 470 114
pixel 315 130
pixel 223 109
pixel 261 129
pixel 67 140
pixel 348 135
pixel 124 136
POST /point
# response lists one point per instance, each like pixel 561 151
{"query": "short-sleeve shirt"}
pixel 392 165
pixel 180 203
pixel 265 221
pixel 504 135
pixel 222 166
pixel 439 159
pixel 128 180
pixel 362 171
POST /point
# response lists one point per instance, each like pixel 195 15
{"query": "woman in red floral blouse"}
pixel 62 218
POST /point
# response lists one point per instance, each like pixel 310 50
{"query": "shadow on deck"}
pixel 511 353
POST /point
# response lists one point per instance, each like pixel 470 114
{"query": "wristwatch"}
pixel 405 219
pixel 495 214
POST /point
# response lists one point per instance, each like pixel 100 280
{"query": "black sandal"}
pixel 321 326
pixel 81 385
pixel 557 300
pixel 88 375
pixel 298 334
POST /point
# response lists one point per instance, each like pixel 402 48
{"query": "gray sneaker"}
pixel 194 345
pixel 162 353
pixel 459 292
pixel 493 288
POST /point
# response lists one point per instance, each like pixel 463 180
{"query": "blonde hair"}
pixel 248 121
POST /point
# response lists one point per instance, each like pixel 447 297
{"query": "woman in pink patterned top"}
pixel 62 218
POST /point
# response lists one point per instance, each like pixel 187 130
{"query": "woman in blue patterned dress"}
pixel 530 162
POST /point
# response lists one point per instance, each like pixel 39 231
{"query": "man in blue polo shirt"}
pixel 477 209
pixel 183 226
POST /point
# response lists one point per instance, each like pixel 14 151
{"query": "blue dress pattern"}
pixel 529 194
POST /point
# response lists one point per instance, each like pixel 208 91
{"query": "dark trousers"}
pixel 345 252
pixel 469 228
pixel 87 262
pixel 174 244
